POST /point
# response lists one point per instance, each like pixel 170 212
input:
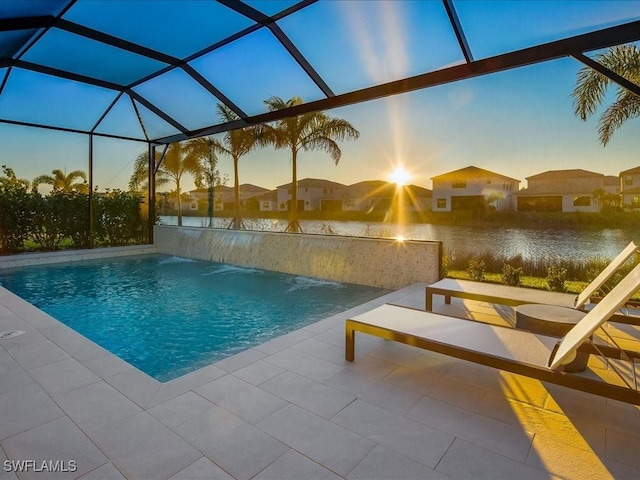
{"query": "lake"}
pixel 532 244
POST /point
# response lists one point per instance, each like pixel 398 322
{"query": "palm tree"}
pixel 235 143
pixel 62 181
pixel 309 131
pixel 139 181
pixel 178 160
pixel 205 149
pixel 592 86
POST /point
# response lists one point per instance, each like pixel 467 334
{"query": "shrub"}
pixel 476 269
pixel 118 218
pixel 511 275
pixel 15 213
pixel 556 277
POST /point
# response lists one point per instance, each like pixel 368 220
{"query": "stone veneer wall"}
pixel 23 260
pixel 384 263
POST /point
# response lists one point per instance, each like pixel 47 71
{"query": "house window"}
pixel 441 203
pixel 459 184
pixel 265 205
pixel 583 201
pixel 283 205
pixel 628 180
pixel 488 181
pixel 635 202
pixel 194 205
pixel 289 191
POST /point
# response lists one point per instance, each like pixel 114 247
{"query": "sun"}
pixel 400 176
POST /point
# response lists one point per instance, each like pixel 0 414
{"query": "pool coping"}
pixel 140 387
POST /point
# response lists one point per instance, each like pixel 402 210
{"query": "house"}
pixel 268 201
pixel 630 188
pixel 473 188
pixel 372 195
pixel 419 198
pixel 561 191
pixel 224 196
pixel 369 195
pixel 313 194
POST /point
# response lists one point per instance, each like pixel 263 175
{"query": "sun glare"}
pixel 400 176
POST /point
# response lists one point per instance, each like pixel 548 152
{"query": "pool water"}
pixel 169 316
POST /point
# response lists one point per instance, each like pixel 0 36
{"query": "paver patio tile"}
pixel 57 440
pixel 465 460
pixel 383 463
pixel 330 445
pixel 104 472
pixel 258 372
pixel 248 402
pixel 313 396
pixel 235 445
pixel 507 440
pixel 180 409
pixel 302 364
pixel 202 469
pixel 63 376
pixel 96 406
pixel 25 408
pixel 294 466
pixel 141 447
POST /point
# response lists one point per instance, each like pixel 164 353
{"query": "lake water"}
pixel 532 244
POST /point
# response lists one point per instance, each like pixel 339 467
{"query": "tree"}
pixel 205 149
pixel 62 181
pixel 592 86
pixel 235 143
pixel 139 181
pixel 309 131
pixel 11 180
pixel 178 160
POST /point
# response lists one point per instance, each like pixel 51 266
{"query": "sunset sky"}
pixel 517 123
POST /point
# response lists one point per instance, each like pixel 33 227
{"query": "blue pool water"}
pixel 169 316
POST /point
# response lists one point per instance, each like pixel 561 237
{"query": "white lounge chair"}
pixel 514 296
pixel 518 351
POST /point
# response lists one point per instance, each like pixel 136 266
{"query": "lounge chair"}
pixel 522 352
pixel 514 296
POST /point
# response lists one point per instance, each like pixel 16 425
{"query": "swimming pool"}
pixel 169 316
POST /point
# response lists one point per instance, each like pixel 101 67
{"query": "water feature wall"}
pixel 377 262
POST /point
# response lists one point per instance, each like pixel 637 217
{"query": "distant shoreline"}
pixel 535 220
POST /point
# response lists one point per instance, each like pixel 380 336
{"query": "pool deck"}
pixel 293 408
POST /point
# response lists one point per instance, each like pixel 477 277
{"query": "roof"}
pixel 110 58
pixel 631 171
pixel 314 183
pixel 418 191
pixel 565 174
pixel 249 187
pixel 270 196
pixel 471 172
pixel 611 180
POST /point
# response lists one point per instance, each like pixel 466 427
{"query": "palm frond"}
pixel 625 107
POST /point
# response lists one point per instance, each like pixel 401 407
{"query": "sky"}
pixel 517 123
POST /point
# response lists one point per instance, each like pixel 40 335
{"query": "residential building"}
pixel 372 195
pixel 313 194
pixel 268 201
pixel 369 195
pixel 471 188
pixel 224 196
pixel 630 188
pixel 562 191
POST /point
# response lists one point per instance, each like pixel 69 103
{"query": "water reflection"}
pixel 531 244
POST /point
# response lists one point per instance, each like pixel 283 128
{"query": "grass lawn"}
pixel 531 282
